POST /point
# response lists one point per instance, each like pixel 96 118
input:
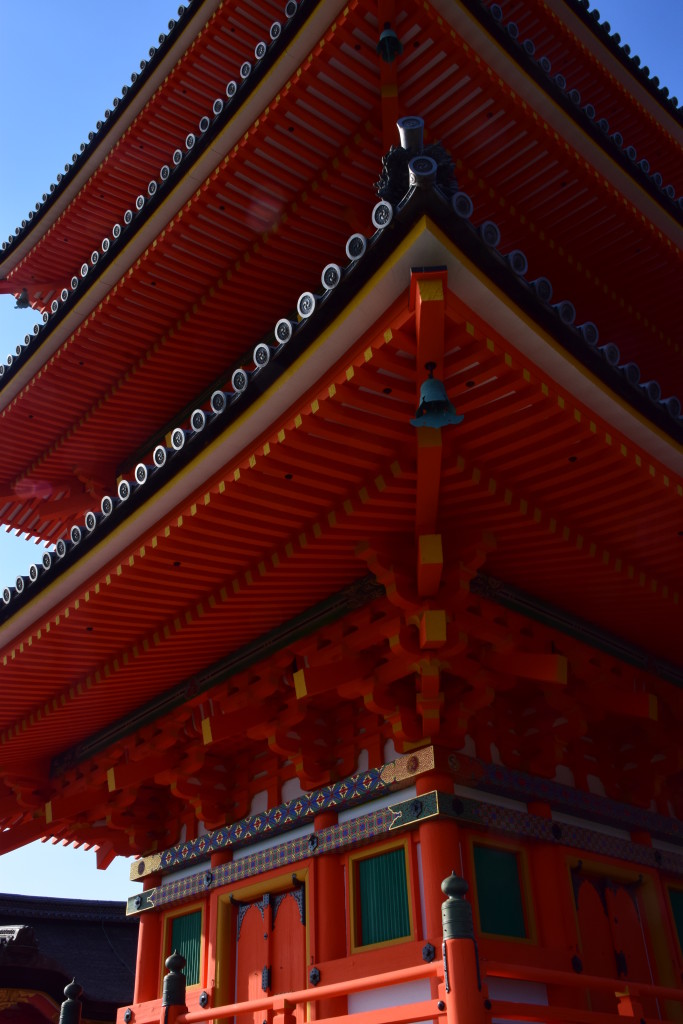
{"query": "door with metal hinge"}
pixel 270 949
pixel 613 936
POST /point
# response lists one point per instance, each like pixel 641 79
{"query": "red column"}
pixel 213 923
pixel 439 851
pixel 553 906
pixel 148 962
pixel 329 913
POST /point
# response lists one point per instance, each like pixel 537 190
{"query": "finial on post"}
pixel 70 1010
pixel 173 993
pixel 456 913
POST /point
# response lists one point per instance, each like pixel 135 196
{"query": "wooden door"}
pixel 613 939
pixel 270 949
pixel 251 956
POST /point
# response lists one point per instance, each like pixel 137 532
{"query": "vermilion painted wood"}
pixel 278 947
pixel 347 83
pixel 287 952
pixel 629 936
pixel 597 944
pixel 251 956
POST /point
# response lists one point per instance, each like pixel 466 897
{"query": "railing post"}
pixel 462 981
pixel 173 992
pixel 283 1012
pixel 70 1010
pixel 629 1007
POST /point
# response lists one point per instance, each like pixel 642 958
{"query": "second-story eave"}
pixel 224 441
pixel 212 218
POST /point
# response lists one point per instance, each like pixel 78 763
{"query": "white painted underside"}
pixel 395 995
pixel 376 805
pixel 511 991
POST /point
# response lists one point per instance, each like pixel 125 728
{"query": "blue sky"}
pixel 61 64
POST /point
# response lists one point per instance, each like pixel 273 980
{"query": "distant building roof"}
pixel 45 942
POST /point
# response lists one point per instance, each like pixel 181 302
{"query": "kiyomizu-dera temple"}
pixel 355 422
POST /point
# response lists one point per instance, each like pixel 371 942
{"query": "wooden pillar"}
pixel 553 906
pixel 439 851
pixel 329 916
pixel 149 950
pixel 212 923
pixel 283 1012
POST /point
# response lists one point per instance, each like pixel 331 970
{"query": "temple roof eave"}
pixel 129 106
pixel 555 349
pixel 161 499
pixel 541 92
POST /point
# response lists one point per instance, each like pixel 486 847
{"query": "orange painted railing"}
pixel 280 1009
pixel 282 1005
pixel 546 976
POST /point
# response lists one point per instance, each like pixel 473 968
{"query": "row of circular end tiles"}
pixel 232 89
pixel 260 51
pixel 286 328
pixel 155 185
pixel 165 174
pixel 588 109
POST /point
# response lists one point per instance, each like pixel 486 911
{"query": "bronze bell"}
pixel 389 45
pixel 435 410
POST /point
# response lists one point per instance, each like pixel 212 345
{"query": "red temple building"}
pixel 361 455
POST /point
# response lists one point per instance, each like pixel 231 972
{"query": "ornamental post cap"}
pixel 175 962
pixel 454 887
pixel 73 990
pixel 456 913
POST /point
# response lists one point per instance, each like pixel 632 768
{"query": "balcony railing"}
pixel 458 986
pixel 281 1009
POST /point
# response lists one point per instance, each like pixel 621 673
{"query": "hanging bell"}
pixel 389 45
pixel 435 410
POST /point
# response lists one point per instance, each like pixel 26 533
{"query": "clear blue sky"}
pixel 61 64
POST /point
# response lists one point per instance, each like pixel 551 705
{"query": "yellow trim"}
pixel 354 924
